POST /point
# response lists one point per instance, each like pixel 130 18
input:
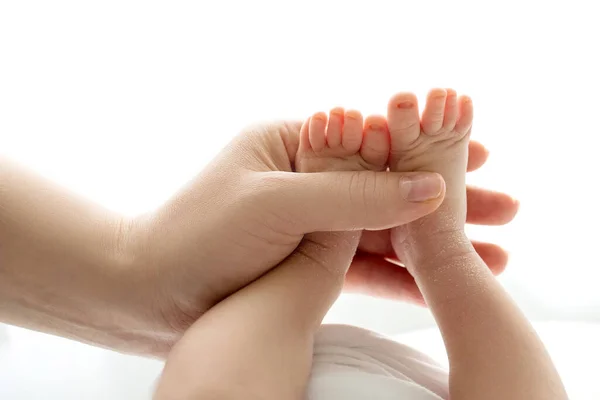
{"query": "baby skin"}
pixel 468 303
pixel 493 351
pixel 261 337
pixel 436 143
pixel 258 342
pixel 342 142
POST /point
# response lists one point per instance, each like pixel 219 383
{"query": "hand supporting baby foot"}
pixel 342 143
pixel 269 325
pixel 375 271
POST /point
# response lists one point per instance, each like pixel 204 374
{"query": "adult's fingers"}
pixel 342 201
pixel 377 243
pixel 478 155
pixel 494 256
pixel 374 276
pixel 486 207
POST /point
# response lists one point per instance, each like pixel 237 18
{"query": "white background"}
pixel 124 101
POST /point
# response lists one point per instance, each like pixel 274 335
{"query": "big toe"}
pixel 376 142
pixel 403 123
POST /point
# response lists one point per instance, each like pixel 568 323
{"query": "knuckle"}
pixel 370 190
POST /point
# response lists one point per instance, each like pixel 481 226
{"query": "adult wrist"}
pixel 68 267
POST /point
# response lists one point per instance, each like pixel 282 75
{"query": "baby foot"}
pixel 436 143
pixel 341 144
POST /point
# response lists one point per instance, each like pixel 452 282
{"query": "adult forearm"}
pixel 494 352
pixel 64 265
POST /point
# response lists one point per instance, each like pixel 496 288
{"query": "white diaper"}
pixel 351 363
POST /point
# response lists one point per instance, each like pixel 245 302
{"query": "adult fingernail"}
pixel 422 187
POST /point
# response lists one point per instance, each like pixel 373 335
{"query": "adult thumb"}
pixel 342 201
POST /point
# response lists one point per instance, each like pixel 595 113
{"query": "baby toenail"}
pixel 353 114
pixel 320 117
pixel 405 104
pixel 375 127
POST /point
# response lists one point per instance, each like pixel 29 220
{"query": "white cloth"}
pixel 351 363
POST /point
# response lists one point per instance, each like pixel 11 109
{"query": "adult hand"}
pixel 71 268
pixel 248 210
pixel 375 268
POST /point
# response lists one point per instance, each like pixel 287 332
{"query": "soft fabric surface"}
pixel 353 363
